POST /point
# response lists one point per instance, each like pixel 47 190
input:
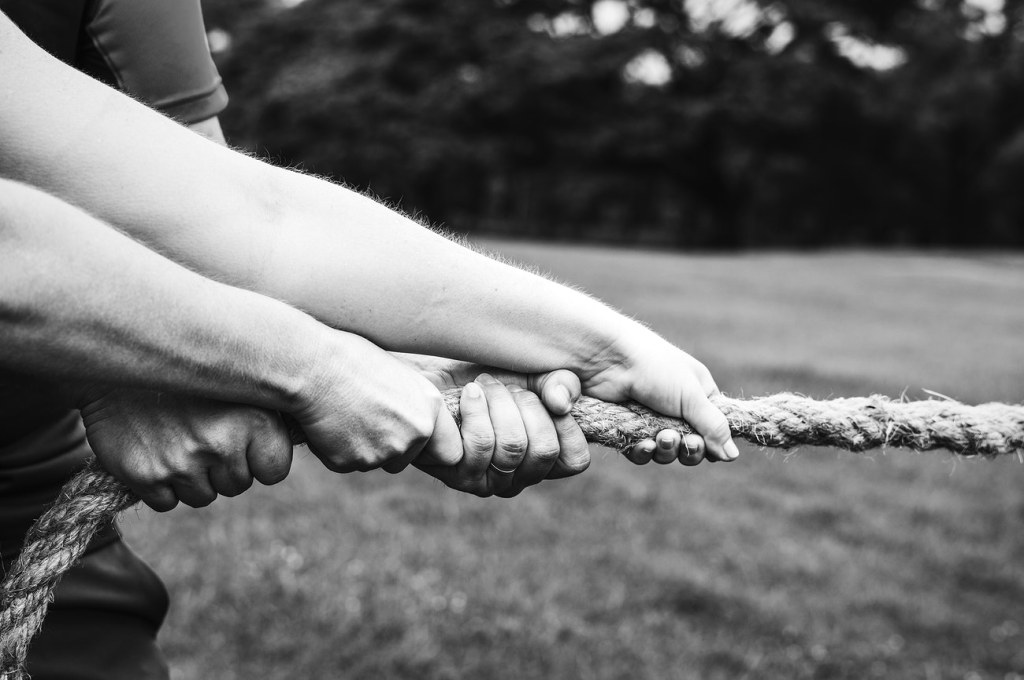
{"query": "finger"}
pixel 642 453
pixel 396 465
pixel 445 444
pixel 691 450
pixel 231 478
pixel 454 479
pixel 146 480
pixel 711 424
pixel 194 490
pixel 542 439
pixel 574 456
pixel 477 433
pixel 269 454
pixel 160 497
pixel 558 390
pixel 668 447
pixel 510 440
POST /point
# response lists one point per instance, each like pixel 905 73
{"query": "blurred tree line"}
pixel 692 123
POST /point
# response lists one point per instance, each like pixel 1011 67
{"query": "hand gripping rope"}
pixel 93 498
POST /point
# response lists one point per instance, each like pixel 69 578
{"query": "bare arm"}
pixel 82 303
pixel 346 259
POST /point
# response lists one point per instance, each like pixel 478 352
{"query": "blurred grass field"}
pixel 813 564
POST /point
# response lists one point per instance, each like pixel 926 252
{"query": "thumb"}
pixel 558 390
pixel 710 423
pixel 445 445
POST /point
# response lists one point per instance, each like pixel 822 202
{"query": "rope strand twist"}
pixel 93 498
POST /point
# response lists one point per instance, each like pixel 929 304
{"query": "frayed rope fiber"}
pixel 93 498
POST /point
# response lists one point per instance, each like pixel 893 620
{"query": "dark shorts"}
pixel 103 622
pixel 108 608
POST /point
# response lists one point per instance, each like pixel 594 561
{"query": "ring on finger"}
pixel 502 471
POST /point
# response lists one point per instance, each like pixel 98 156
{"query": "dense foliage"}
pixel 721 124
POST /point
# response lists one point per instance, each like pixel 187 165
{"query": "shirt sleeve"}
pixel 157 52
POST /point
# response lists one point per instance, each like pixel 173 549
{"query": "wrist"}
pixel 301 382
pixel 615 342
pixel 279 350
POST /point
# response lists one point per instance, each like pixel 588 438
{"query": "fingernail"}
pixel 563 398
pixel 647 447
pixel 514 388
pixel 731 452
pixel 665 444
pixel 472 391
pixel 486 379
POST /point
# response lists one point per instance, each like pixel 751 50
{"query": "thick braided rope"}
pixel 93 498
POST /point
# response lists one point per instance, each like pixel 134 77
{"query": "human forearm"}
pixel 345 251
pixel 346 259
pixel 83 303
pixel 349 261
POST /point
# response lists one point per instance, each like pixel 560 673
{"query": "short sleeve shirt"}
pixel 154 50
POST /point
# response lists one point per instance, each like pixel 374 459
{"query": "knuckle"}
pixel 147 472
pixel 528 399
pixel 515 445
pixel 546 450
pixel 479 441
pixel 217 439
pixel 369 457
pixel 432 399
pixel 395 448
pixel 420 430
pixel 366 461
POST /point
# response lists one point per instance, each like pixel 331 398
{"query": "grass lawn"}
pixel 813 564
